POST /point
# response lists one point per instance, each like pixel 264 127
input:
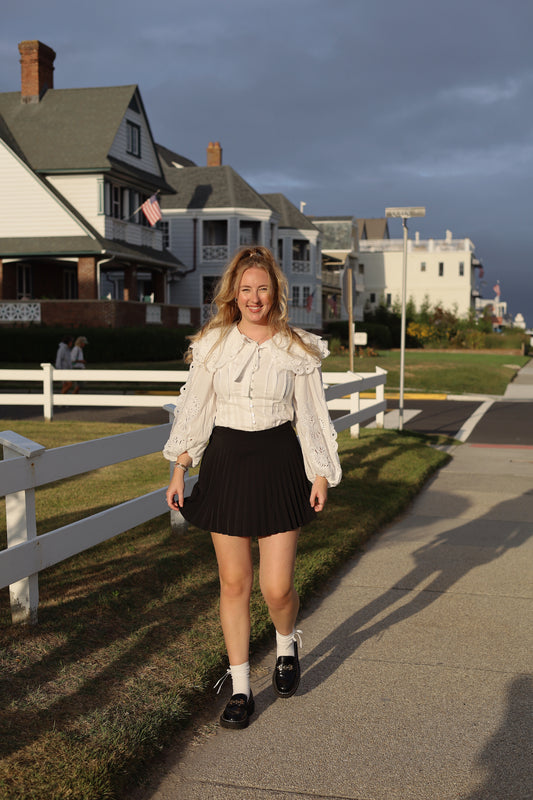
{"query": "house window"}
pixel 24 282
pixel 116 206
pixel 249 232
pixel 300 250
pixel 215 240
pixel 280 251
pixel 306 293
pixel 133 133
pixel 361 269
pixel 441 269
pixel 135 214
pixel 209 284
pixel 166 234
pixel 422 266
pixel 295 296
pixel 301 255
pixel 461 268
pixel 215 232
pixel 372 297
pixel 70 284
pixel 389 300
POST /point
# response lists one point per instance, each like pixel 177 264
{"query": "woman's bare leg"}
pixel 235 569
pixel 276 578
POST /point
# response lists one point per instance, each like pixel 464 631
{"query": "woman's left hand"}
pixel 319 493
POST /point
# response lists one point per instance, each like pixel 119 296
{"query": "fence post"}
pixel 380 396
pixel 178 523
pixel 21 527
pixel 48 391
pixel 355 405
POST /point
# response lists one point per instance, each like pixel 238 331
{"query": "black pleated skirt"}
pixel 251 483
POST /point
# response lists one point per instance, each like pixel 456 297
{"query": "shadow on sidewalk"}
pixel 507 757
pixel 436 570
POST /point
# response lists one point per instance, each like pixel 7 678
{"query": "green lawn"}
pixel 469 372
pixel 128 643
pixel 451 373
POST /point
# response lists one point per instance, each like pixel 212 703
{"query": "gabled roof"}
pixel 170 159
pixel 290 216
pixel 72 130
pixel 210 187
pixel 376 228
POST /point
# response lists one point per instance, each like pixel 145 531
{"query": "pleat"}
pixel 251 484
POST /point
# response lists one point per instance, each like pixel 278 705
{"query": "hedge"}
pixel 38 344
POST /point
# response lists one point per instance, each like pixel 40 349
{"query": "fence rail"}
pixel 28 465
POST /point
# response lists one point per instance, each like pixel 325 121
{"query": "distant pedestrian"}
pixel 64 361
pixel 78 358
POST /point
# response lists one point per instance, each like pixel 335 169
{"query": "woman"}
pixel 252 377
pixel 78 358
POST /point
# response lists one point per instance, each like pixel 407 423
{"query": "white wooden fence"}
pixel 28 465
pixel 48 398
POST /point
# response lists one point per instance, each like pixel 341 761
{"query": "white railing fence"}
pixel 50 396
pixel 28 465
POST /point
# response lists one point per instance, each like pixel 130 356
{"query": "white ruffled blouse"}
pixel 236 383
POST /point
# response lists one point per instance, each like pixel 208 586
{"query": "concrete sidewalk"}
pixel 417 663
pixel 521 387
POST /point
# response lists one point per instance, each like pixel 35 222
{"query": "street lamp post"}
pixel 404 214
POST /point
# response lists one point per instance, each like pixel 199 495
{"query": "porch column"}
pixel 131 290
pixel 87 278
pixel 8 281
pixel 158 282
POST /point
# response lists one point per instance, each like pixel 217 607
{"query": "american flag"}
pixel 497 290
pixel 151 210
pixel 309 302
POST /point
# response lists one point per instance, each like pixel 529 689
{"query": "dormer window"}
pixel 133 133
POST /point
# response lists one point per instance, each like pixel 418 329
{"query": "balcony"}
pixel 214 252
pixel 301 267
pixel 120 230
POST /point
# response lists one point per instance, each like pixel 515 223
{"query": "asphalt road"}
pixel 503 423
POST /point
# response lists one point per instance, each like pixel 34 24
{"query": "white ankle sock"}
pixel 240 677
pixel 285 644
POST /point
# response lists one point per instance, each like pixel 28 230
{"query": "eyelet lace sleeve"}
pixel 193 417
pixel 318 438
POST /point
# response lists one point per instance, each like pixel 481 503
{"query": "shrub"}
pixel 38 344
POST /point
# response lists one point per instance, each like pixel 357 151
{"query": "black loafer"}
pixel 238 711
pixel 286 677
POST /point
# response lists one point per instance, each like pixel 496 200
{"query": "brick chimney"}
pixel 37 70
pixel 214 154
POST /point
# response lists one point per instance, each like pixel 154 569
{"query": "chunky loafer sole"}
pixel 238 711
pixel 286 677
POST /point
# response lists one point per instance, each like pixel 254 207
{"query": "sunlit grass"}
pixel 128 640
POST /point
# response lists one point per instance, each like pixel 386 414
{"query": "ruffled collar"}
pixel 215 352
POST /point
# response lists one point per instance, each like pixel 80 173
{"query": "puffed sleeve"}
pixel 318 438
pixel 194 416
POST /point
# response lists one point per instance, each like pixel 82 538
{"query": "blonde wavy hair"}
pixel 226 311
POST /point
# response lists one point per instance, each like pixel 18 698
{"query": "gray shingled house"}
pixel 213 211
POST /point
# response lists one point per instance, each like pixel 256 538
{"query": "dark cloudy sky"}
pixel 348 105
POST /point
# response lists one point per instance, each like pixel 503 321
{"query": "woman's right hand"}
pixel 176 490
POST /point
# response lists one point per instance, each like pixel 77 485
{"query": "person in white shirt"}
pixel 64 360
pixel 253 379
